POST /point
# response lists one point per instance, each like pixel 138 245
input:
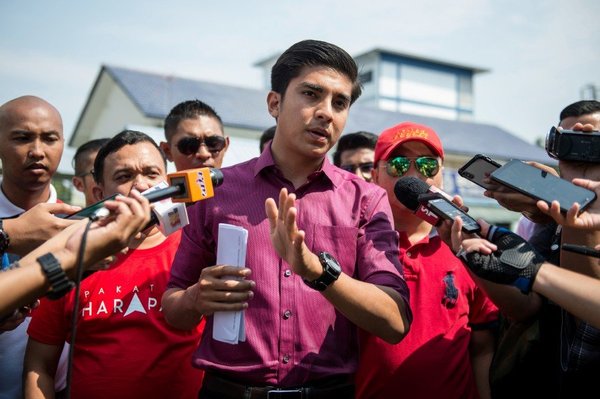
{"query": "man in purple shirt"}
pixel 323 260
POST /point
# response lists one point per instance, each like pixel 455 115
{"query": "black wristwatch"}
pixel 59 282
pixel 4 239
pixel 331 272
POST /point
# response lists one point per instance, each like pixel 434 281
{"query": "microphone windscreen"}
pixel 408 189
pixel 216 176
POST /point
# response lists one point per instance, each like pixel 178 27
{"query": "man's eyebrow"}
pixel 312 86
pixel 319 89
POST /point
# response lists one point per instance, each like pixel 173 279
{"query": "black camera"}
pixel 571 145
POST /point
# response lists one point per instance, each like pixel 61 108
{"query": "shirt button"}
pixel 287 314
pixel 286 359
pixel 409 254
pixel 287 273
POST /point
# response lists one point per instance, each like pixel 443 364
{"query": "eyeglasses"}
pixel 365 168
pixel 398 166
pixel 190 145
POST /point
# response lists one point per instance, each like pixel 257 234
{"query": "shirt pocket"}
pixel 339 241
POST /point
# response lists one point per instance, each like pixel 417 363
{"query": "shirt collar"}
pixel 333 174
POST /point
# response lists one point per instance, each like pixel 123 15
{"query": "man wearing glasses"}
pixel 195 138
pixel 451 330
pixel 83 163
pixel 354 153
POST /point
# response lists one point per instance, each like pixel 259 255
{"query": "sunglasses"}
pixel 364 168
pixel 190 145
pixel 398 166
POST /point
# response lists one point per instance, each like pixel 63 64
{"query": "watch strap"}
pixel 59 282
pixel 331 272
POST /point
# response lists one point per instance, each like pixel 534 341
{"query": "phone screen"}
pixel 478 168
pixel 447 210
pixel 88 211
pixel 541 185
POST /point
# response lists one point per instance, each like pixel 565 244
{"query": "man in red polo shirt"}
pixel 449 348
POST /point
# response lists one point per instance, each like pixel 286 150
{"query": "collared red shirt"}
pixel 433 360
pixel 293 334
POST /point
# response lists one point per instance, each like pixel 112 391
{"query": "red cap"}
pixel 392 138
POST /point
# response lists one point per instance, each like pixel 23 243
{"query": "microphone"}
pixel 407 191
pixel 189 185
pixel 430 203
pixel 186 186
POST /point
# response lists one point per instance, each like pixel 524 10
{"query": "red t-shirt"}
pixel 124 347
pixel 433 360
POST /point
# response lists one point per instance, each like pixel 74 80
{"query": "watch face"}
pixel 329 261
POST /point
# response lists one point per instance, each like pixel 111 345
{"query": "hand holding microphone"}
pixel 430 203
pixel 186 186
pixel 504 258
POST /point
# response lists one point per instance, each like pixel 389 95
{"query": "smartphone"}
pixel 582 250
pixel 478 168
pixel 448 210
pixel 90 210
pixel 541 185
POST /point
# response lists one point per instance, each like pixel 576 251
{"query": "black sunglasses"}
pixel 190 145
pixel 364 168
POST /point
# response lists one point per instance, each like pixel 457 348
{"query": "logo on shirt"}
pixel 450 291
pixel 114 302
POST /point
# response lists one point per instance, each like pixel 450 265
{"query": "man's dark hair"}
pixel 267 135
pixel 190 109
pixel 580 108
pixel 126 137
pixel 313 53
pixel 353 141
pixel 83 150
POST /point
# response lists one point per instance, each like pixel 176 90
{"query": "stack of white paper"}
pixel 230 327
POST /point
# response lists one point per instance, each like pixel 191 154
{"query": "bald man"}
pixel 31 144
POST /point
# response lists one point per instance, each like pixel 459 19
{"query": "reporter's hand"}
pixel 515 262
pixel 107 236
pixel 17 317
pixel 36 226
pixel 517 202
pixel 461 241
pixel 586 220
pixel 444 229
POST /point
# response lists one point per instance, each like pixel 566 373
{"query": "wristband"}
pixel 59 282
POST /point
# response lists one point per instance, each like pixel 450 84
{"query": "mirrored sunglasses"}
pixel 398 166
pixel 190 145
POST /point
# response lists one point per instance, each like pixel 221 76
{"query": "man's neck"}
pixel 296 169
pixel 25 199
pixel 415 228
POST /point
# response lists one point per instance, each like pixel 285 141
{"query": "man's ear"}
pixel 97 192
pixel 375 175
pixel 274 103
pixel 77 182
pixel 166 149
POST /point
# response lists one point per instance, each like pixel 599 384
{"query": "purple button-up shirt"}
pixel 293 334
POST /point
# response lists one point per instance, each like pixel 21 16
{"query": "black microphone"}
pixel 431 204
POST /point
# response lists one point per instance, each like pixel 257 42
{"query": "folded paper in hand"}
pixel 229 327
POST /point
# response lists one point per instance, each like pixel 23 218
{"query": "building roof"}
pixel 379 50
pixel 155 95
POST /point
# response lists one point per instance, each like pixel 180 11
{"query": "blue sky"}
pixel 540 53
